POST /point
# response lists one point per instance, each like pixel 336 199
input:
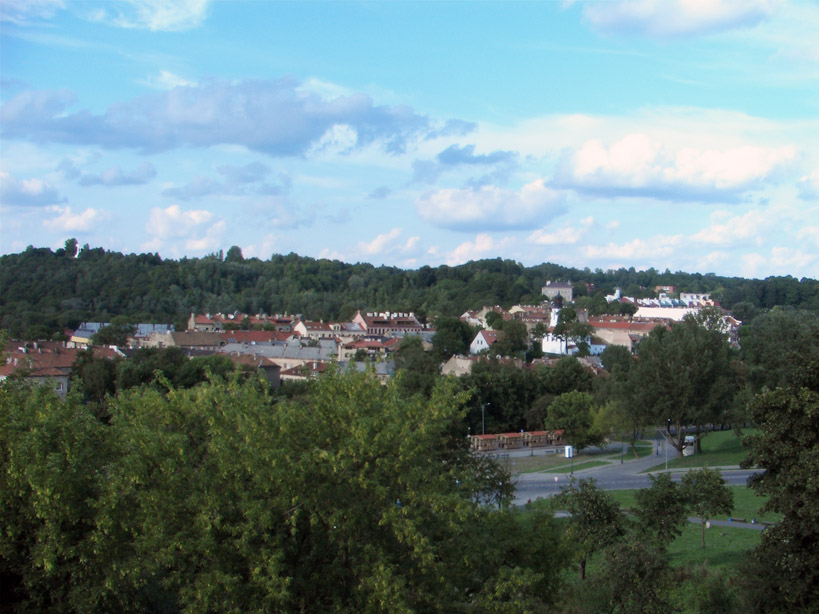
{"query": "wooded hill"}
pixel 43 292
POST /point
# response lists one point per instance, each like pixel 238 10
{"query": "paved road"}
pixel 614 476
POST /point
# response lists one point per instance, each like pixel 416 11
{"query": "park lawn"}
pixel 552 462
pixel 719 449
pixel 724 546
pixel 578 466
pixel 644 448
pixel 746 504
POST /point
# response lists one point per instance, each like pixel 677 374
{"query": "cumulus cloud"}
pixel 490 207
pixel 115 176
pixel 808 187
pixel 379 193
pixel 481 247
pixel 68 221
pixel 381 242
pixel 670 18
pixel 174 222
pixel 636 165
pixel 650 250
pixel 561 236
pixel 276 117
pixel 154 15
pixel 165 80
pixel 452 128
pixel 726 229
pixel 27 192
pixel 25 11
pixel 237 181
pixel 428 171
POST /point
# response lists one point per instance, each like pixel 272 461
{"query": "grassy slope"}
pixel 719 449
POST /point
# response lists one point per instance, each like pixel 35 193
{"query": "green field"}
pixel 558 463
pixel 719 449
pixel 746 504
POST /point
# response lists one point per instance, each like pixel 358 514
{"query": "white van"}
pixel 690 445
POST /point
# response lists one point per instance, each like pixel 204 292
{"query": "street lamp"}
pixel 667 435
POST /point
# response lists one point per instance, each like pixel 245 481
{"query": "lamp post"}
pixel 667 435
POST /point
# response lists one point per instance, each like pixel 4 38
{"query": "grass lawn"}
pixel 720 448
pixel 746 504
pixel 724 546
pixel 578 466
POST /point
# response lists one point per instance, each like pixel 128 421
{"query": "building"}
pixel 388 324
pixel 553 289
pixel 484 340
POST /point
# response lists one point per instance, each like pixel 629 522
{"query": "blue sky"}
pixel 680 134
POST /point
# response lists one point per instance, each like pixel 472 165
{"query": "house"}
pixel 483 443
pixel 254 337
pixel 484 340
pixel 191 340
pixel 304 371
pixel 269 369
pixel 665 289
pixel 388 324
pixel 510 441
pixel 553 289
pixel 614 330
pixel 372 348
pixel 314 330
pixel 203 323
pixel 288 354
pixel 46 362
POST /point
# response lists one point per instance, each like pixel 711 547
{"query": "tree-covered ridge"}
pixel 58 289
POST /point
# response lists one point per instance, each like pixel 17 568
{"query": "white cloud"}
pixel 115 176
pixel 27 192
pixel 637 165
pixel 726 229
pixel 382 241
pixel 275 117
pixel 561 236
pixel 490 207
pixel 650 249
pixel 664 18
pixel 483 245
pixel 175 222
pixel 68 221
pixel 154 15
pixel 210 241
pixel 810 234
pixel 24 11
pixel 165 80
pixel 809 186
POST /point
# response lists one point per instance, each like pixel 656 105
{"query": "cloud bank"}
pixel 276 117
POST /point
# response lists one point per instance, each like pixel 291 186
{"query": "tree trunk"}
pixel 583 568
pixel 702 524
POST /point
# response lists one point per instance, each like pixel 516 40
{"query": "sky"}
pixel 674 134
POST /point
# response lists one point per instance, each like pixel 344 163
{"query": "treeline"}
pixel 44 291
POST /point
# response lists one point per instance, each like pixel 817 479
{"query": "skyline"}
pixel 680 135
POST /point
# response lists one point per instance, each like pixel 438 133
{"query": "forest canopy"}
pixel 47 291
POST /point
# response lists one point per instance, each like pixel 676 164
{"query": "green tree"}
pixel 683 374
pixel 452 337
pixel 416 368
pixel 783 572
pixel 116 333
pixel 572 412
pixel 661 509
pixel 778 345
pixel 570 328
pixel 595 521
pixel 707 495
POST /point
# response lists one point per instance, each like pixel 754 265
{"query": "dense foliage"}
pixel 217 499
pixel 45 291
